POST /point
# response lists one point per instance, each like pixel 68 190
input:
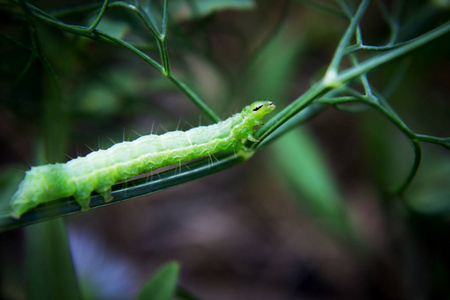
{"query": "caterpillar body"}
pixel 99 170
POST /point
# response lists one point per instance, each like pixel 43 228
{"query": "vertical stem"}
pixel 363 77
pixel 162 46
pixel 164 20
pixel 162 42
pixel 414 169
pixel 99 16
pixel 333 68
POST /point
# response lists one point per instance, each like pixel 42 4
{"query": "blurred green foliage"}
pixel 162 286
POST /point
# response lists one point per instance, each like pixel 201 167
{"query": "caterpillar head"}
pixel 250 117
pixel 259 109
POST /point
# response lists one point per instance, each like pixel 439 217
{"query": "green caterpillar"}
pixel 99 170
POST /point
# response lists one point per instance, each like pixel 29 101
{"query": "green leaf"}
pixel 163 285
pixel 50 271
pixel 270 74
pixel 307 173
pixel 9 180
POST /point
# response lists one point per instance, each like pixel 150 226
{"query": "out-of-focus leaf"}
pixel 49 265
pixel 307 173
pixel 9 181
pixel 187 10
pixel 431 202
pixel 99 99
pixel 163 285
pixel 272 70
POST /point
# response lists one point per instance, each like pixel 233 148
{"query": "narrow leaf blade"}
pixel 163 285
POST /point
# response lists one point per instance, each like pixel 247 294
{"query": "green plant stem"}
pixel 415 139
pixel 376 61
pixel 394 28
pixel 106 37
pixel 162 42
pixel 99 16
pixel 306 114
pixel 383 107
pixel 194 97
pixel 392 23
pixel 317 89
pixel 414 168
pixel 291 110
pixel 444 142
pixel 27 67
pixel 162 46
pixel 337 100
pixel 164 19
pixel 37 51
pixel 393 117
pixel 333 67
pixel 92 33
pixel 341 78
pixel 144 17
pixel 371 100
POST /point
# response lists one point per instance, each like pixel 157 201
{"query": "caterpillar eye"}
pixel 257 107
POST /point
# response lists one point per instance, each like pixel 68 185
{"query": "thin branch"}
pixel 333 67
pixel 100 35
pixel 99 16
pixel 414 169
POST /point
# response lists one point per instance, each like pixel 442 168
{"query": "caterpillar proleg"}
pixel 99 170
